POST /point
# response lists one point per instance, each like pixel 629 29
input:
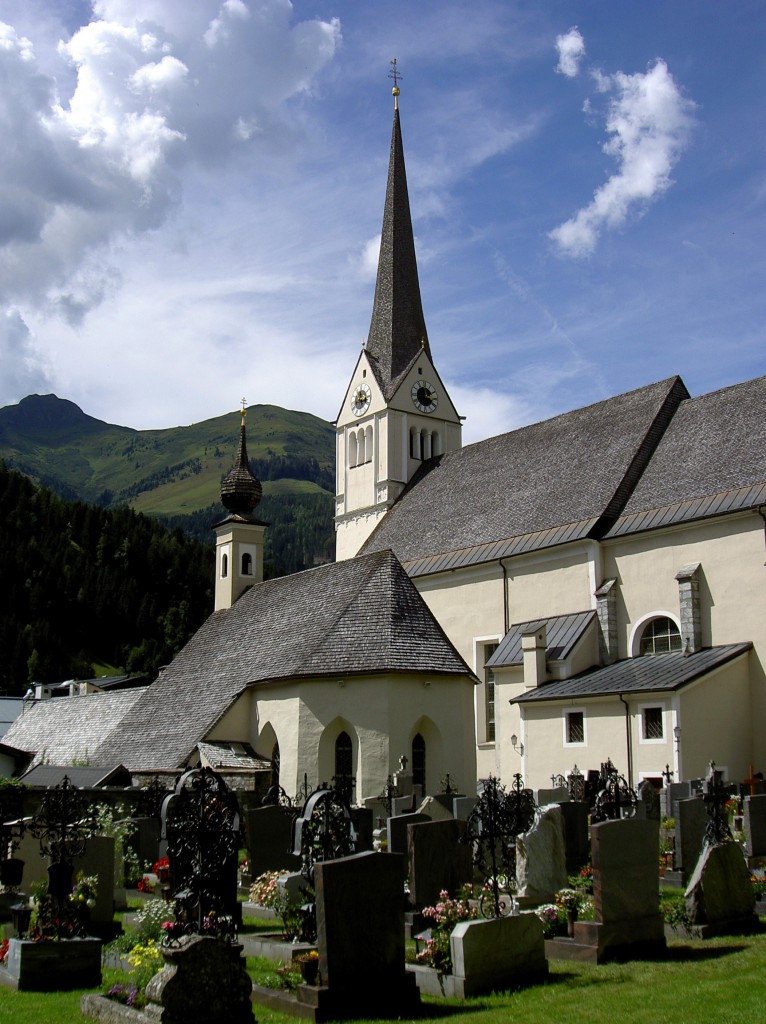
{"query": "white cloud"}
pixel 369 259
pixel 648 122
pixel 571 50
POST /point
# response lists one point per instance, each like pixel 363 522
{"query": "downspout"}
pixel 506 624
pixel 629 742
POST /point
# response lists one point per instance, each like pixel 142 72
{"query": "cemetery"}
pixel 202 905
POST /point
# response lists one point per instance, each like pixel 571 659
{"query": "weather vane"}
pixel 395 74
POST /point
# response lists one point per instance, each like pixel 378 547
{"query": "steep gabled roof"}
pixel 397 329
pixel 556 481
pixel 63 730
pixel 662 673
pixel 358 617
pixel 710 461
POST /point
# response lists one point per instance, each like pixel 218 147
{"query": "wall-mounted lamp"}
pixel 515 744
pixel 341 683
pixel 426 682
pixel 677 735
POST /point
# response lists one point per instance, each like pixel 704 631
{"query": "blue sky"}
pixel 191 196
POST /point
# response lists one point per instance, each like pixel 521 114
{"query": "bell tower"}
pixel 396 413
pixel 239 536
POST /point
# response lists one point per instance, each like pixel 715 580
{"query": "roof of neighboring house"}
pixel 67 729
pixel 358 617
pixel 86 777
pixel 560 480
pixel 562 631
pixel 711 460
pixel 663 672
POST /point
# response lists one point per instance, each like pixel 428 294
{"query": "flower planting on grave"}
pixel 267 892
pixel 447 913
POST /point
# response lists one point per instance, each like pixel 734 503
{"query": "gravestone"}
pixel 98 859
pixel 360 939
pixel 269 839
pixel 626 900
pixel 541 868
pixel 362 819
pixel 397 830
pixel 557 795
pixel 435 809
pixel 496 955
pixel 755 826
pixel 576 835
pixel 671 795
pixel 462 806
pixel 648 800
pixel 691 821
pixel 437 860
pixel 719 897
pixel 145 841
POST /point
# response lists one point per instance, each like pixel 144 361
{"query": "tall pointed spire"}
pixel 398 328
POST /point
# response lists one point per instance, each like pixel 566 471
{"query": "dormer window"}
pixel 660 636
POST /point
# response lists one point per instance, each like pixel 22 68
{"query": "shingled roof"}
pixel 358 617
pixel 65 730
pixel 563 479
pixel 710 461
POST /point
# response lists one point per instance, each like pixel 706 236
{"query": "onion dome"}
pixel 241 490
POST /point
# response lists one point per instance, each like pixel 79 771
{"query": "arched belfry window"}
pixel 419 761
pixel 224 566
pixel 660 636
pixel 353 454
pixel 414 443
pixel 247 564
pixel 436 443
pixel 368 444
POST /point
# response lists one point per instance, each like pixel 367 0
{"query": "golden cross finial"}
pixel 243 411
pixel 395 74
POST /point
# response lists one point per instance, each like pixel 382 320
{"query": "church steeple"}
pixel 239 536
pixel 398 328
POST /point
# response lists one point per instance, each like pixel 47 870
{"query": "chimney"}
pixel 606 609
pixel 534 642
pixel 689 607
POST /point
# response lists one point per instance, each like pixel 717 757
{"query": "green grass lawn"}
pixel 721 981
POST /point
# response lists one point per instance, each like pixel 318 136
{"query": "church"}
pixel 584 588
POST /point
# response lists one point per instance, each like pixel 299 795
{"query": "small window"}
pixel 660 636
pixel 419 761
pixel 343 756
pixel 224 566
pixel 652 724
pixel 489 693
pixel 575 727
pixel 247 564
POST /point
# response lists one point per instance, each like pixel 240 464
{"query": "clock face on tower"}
pixel 424 396
pixel 360 399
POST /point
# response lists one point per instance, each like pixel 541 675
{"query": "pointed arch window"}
pixel 343 755
pixel 419 761
pixel 275 765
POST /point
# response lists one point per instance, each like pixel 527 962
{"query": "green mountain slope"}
pixel 175 474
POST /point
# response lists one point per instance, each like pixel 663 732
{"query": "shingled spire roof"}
pixel 241 490
pixel 397 329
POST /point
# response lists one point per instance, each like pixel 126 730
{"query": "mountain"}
pixel 175 474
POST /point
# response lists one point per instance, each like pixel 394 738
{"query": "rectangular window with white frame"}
pixel 574 728
pixel 485 710
pixel 652 723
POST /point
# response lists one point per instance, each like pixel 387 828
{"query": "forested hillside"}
pixel 83 585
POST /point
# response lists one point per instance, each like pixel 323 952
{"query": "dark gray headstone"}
pixel 672 794
pixel 145 840
pixel 755 825
pixel 363 823
pixel 576 837
pixel 269 839
pixel 360 935
pixel 691 819
pixel 625 875
pixel 437 860
pixel 558 795
pixel 98 860
pixel 397 830
pixel 462 806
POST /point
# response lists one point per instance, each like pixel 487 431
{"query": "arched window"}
pixel 660 636
pixel 353 455
pixel 414 444
pixel 224 566
pixel 247 564
pixel 275 765
pixel 419 761
pixel 425 444
pixel 343 755
pixel 368 444
pixel 436 443
pixel 361 456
